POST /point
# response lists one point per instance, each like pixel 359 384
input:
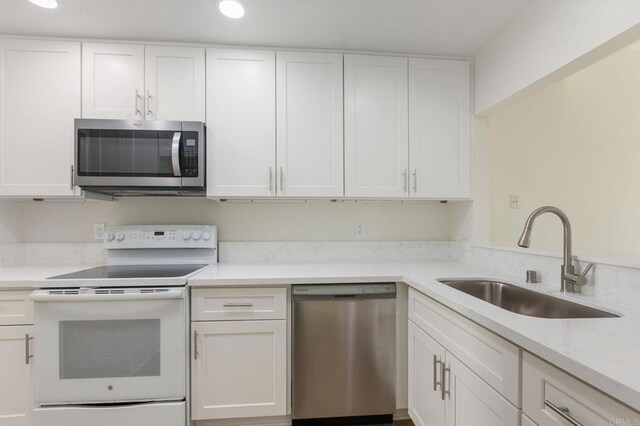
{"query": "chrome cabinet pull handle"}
pixel 149 99
pixel 281 180
pixel 562 412
pixel 195 344
pixel 446 385
pixel 73 184
pixel 27 349
pixel 436 383
pixel 138 98
pixel 270 180
pixel 237 305
pixel 415 180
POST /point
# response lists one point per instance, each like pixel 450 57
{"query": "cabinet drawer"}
pixel 494 359
pixel 228 304
pixel 547 390
pixel 16 308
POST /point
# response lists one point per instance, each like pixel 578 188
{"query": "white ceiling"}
pixel 438 27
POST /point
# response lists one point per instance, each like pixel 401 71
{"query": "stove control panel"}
pixel 160 236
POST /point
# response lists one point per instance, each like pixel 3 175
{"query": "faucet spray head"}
pixel 525 238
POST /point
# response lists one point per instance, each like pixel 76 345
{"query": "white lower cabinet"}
pixel 444 391
pixel 426 405
pixel 16 376
pixel 552 397
pixel 238 369
pixel 471 401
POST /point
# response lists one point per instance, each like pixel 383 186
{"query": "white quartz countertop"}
pixel 603 352
pixel 23 277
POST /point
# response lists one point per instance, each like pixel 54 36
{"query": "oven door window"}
pixel 127 153
pixel 109 348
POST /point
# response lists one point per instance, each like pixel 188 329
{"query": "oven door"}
pixel 111 345
pixel 138 154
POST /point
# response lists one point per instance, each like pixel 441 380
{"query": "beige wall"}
pixel 574 144
pixel 239 221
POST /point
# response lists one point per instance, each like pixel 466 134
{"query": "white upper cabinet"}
pixel 310 124
pixel 241 123
pixel 376 126
pixel 175 83
pixel 39 99
pixel 113 81
pixel 439 128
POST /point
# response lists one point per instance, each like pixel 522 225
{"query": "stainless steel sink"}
pixel 523 301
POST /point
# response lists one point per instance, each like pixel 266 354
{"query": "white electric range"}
pixel 111 341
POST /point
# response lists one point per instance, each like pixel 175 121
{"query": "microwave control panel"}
pixel 190 155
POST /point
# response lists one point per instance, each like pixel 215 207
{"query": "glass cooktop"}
pixel 130 271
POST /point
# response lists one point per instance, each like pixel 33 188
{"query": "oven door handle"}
pixel 169 295
pixel 175 153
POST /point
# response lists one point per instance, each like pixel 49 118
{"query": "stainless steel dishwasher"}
pixel 344 354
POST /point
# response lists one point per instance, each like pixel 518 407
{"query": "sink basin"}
pixel 523 301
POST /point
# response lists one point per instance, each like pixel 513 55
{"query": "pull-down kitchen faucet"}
pixel 568 278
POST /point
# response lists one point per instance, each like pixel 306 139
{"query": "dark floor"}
pixel 403 423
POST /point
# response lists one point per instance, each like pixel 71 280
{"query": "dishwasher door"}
pixel 344 350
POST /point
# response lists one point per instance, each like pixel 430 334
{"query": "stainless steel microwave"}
pixel 124 157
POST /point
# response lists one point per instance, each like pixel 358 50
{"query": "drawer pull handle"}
pixel 446 390
pixel 237 305
pixel 195 344
pixel 436 362
pixel 562 412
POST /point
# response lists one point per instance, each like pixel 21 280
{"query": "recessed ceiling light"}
pixel 47 4
pixel 230 8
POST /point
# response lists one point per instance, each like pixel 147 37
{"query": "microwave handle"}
pixel 175 153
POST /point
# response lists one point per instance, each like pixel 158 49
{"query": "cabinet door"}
pixel 376 126
pixel 310 130
pixel 238 369
pixel 471 401
pixel 426 407
pixel 39 99
pixel 113 81
pixel 16 386
pixel 241 123
pixel 174 80
pixel 439 128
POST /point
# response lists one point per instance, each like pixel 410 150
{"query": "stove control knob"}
pixel 206 236
pixel 120 236
pixel 110 236
pixel 186 235
pixel 195 235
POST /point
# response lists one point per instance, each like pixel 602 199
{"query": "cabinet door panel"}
pixel 426 407
pixel 16 386
pixel 439 129
pixel 39 99
pixel 310 129
pixel 241 123
pixel 376 126
pixel 113 81
pixel 239 369
pixel 474 402
pixel 174 80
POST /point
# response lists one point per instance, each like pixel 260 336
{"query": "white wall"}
pixel 239 221
pixel 574 144
pixel 11 222
pixel 547 41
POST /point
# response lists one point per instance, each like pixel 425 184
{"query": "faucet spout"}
pixel 569 280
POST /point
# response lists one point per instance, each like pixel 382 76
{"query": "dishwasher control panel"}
pixel 337 291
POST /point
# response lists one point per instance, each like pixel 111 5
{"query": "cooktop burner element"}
pixel 130 271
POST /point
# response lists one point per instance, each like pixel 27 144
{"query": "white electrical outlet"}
pixel 98 230
pixel 360 230
pixel 514 201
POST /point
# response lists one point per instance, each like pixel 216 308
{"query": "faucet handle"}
pixel 586 270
